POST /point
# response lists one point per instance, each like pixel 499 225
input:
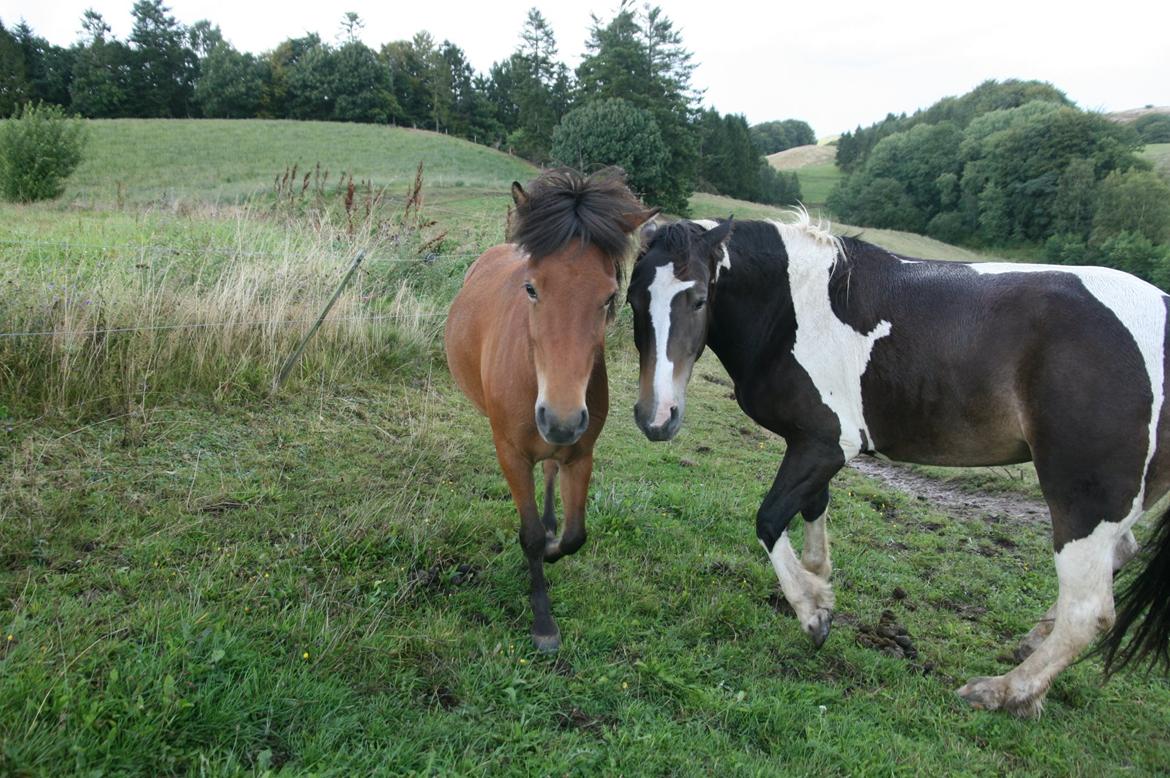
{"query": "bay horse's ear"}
pixel 643 219
pixel 519 196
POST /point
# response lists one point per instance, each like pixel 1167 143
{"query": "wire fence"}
pixel 225 251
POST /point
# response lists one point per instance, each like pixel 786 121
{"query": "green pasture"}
pixel 1158 155
pixel 199 577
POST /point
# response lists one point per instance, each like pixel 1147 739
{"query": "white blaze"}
pixel 662 293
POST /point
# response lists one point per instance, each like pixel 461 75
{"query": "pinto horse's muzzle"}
pixel 662 431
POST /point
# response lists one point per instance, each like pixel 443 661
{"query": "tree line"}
pixel 633 86
pixel 1012 163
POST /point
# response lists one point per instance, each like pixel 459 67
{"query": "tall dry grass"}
pixel 121 329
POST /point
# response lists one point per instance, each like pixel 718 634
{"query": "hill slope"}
pixel 144 160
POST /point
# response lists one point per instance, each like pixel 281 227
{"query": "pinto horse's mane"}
pixel 564 206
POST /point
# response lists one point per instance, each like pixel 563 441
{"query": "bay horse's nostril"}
pixel 541 416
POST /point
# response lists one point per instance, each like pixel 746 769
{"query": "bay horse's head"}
pixel 669 290
pixel 575 231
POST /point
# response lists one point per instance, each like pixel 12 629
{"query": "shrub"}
pixel 615 132
pixel 947 227
pixel 1153 128
pixel 1135 201
pixel 1065 248
pixel 39 148
pixel 1137 254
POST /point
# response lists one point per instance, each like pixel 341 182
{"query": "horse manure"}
pixel 899 593
pixel 702 449
pixel 780 605
pixel 887 636
pixel 445 698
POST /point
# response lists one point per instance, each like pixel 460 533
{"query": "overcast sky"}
pixel 835 64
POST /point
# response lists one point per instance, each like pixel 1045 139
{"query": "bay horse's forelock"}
pixel 525 342
pixel 952 364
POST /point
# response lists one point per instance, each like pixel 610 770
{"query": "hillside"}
pixel 815 168
pixel 143 160
pixel 1158 155
pixel 1133 114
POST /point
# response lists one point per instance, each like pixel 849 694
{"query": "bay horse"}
pixel 525 341
pixel 844 348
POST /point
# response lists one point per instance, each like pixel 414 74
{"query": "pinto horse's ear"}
pixel 519 196
pixel 716 236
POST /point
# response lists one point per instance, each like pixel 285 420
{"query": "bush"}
pixel 39 148
pixel 1066 248
pixel 1153 128
pixel 947 227
pixel 615 132
pixel 1135 201
pixel 778 188
pixel 1137 254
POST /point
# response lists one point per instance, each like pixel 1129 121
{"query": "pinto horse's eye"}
pixel 528 287
pixel 699 304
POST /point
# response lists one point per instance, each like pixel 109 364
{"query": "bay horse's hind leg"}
pixel 1084 607
pixel 549 518
pixel 518 472
pixel 575 477
pixel 1125 550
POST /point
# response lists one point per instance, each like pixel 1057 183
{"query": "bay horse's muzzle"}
pixel 558 431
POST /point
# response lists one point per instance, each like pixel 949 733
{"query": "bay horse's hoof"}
pixel 547 644
pixel 819 625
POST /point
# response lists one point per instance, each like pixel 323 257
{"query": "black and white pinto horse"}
pixel 843 348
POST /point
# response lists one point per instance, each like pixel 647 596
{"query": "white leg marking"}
pixel 815 554
pixel 1084 607
pixel 832 353
pixel 810 596
pixel 663 290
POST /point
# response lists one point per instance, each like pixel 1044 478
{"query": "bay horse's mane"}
pixel 564 206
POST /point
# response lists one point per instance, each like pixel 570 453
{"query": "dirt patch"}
pixel 992 508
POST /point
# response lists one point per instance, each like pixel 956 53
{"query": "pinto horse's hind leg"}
pixel 1125 550
pixel 518 472
pixel 1083 608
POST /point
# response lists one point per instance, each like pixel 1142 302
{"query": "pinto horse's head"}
pixel 669 290
pixel 575 230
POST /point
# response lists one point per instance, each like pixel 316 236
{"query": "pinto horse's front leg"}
pixel 518 472
pixel 801 485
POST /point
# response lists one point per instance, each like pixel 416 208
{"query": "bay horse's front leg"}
pixel 575 477
pixel 518 472
pixel 800 485
pixel 549 519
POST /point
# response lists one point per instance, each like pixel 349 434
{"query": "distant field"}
pixel 141 160
pixel 815 168
pixel 802 156
pixel 1159 156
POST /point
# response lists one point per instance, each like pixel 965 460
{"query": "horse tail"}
pixel 1146 592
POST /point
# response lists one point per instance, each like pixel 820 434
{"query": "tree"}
pixel 771 137
pixel 614 132
pixel 351 25
pixel 639 57
pixel 1076 199
pixel 729 160
pixel 275 100
pixel 48 68
pixel 230 85
pixel 102 72
pixel 1137 202
pixel 1153 128
pixel 164 70
pixel 14 86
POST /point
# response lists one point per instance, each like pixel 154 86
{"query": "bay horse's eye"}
pixel 528 287
pixel 612 299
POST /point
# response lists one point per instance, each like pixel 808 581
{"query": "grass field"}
pixel 1159 156
pixel 815 168
pixel 210 580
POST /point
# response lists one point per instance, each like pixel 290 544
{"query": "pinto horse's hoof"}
pixel 547 644
pixel 819 625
